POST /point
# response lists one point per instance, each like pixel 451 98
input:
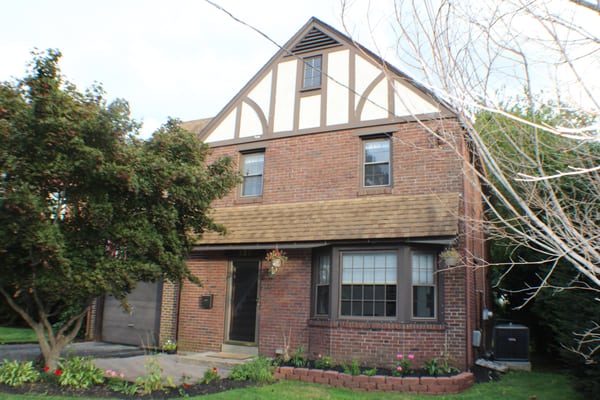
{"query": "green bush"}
pixel 353 369
pixel 16 373
pixel 436 368
pixel 79 372
pixel 298 359
pixel 152 381
pixel 324 362
pixel 259 370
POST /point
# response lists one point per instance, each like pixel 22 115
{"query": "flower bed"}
pixel 410 384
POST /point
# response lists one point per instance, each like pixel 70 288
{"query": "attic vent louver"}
pixel 314 40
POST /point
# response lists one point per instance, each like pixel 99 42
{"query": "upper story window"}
pixel 312 72
pixel 252 174
pixel 376 159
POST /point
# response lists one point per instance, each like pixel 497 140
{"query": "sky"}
pixel 178 58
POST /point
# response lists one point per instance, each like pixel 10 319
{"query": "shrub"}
pixel 259 370
pixel 323 362
pixel 210 375
pixel 79 372
pixel 15 373
pixel 403 366
pixel 152 381
pixel 298 359
pixel 353 369
pixel 437 368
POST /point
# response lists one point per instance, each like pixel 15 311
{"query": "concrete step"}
pixel 214 359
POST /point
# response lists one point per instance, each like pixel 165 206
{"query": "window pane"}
pixel 377 151
pixel 368 291
pixel 364 278
pixel 253 164
pixel 377 174
pixel 323 300
pixel 423 301
pixel 346 292
pixel 312 72
pixel 346 307
pixel 324 270
pixel 252 186
pixel 252 171
pixel 356 308
pixel 423 269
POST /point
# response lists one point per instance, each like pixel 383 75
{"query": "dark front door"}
pixel 243 301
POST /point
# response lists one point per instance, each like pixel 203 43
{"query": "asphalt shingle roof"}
pixel 377 217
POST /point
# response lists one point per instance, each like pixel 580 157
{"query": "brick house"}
pixel 340 172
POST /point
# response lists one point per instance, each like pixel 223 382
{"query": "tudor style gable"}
pixel 323 82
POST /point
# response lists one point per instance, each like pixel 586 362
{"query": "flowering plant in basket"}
pixel 276 259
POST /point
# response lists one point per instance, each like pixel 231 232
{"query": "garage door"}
pixel 138 327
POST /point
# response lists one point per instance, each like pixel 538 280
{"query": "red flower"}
pixel 186 386
pixel 215 370
pixel 46 368
pixel 58 372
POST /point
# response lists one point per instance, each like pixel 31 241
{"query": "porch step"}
pixel 214 359
pixel 251 351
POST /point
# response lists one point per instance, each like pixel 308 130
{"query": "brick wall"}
pixel 327 166
pixel 324 167
pixel 203 329
pixel 168 312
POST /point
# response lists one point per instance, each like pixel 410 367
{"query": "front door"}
pixel 243 301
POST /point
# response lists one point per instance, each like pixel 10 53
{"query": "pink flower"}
pixel 400 356
pixel 411 356
pixel 399 368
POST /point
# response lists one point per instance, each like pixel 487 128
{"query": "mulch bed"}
pixel 104 391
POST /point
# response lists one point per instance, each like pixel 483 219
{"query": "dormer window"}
pixel 312 72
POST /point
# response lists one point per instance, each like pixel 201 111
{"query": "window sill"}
pixel 248 200
pixel 375 190
pixel 377 325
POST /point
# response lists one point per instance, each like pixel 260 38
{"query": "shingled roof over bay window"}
pixel 361 218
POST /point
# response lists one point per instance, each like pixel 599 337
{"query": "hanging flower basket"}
pixel 276 258
pixel 450 256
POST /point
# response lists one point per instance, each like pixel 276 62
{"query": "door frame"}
pixel 229 299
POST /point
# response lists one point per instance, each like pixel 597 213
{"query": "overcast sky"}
pixel 180 58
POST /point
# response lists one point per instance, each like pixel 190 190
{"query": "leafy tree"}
pixel 85 208
pixel 546 292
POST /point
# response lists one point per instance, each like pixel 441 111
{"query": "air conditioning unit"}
pixel 511 342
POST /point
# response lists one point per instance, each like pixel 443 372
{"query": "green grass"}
pixel 17 335
pixel 513 386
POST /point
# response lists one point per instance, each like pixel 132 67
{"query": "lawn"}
pixel 514 385
pixel 17 335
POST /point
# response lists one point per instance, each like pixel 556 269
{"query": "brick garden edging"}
pixel 427 385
